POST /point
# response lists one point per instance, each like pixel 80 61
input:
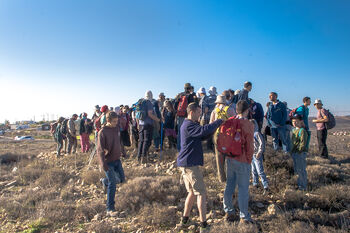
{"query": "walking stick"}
pixel 92 154
pixel 161 140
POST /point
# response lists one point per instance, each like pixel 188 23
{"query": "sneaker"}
pixel 230 217
pixel 112 213
pixel 104 185
pixel 204 229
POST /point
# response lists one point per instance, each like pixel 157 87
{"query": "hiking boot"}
pixel 245 221
pixel 183 225
pixel 204 229
pixel 104 185
pixel 230 217
pixel 112 213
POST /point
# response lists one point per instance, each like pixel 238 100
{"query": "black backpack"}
pixel 64 127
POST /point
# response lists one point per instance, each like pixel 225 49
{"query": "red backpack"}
pixel 230 141
pixel 98 123
pixel 182 107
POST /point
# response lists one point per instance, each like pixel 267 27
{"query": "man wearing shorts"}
pixel 189 161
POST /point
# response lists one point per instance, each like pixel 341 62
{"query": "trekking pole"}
pixel 161 140
pixel 92 154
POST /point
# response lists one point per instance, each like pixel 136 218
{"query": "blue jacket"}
pixel 277 115
pixel 258 112
pixel 192 134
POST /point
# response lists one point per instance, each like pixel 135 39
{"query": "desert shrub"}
pixel 277 223
pixel 147 190
pixel 133 172
pixel 323 174
pixel 91 176
pixel 67 193
pixel 294 198
pixel 102 227
pixel 297 227
pixel 31 172
pixel 9 158
pixel 56 212
pixel 13 209
pixel 87 211
pixel 339 220
pixel 337 195
pixel 233 228
pixel 53 177
pixel 26 204
pixel 157 215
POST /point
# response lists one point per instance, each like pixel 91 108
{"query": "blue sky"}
pixel 63 57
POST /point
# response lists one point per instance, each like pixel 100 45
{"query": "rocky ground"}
pixel 39 193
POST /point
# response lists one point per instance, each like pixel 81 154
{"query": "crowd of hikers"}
pixel 230 123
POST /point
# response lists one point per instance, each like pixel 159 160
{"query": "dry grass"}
pixel 148 190
pixel 54 177
pixel 233 228
pixel 158 215
pixel 91 176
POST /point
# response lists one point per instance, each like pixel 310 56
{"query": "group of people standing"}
pixel 187 120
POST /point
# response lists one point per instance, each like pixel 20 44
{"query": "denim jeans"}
pixel 145 140
pixel 299 161
pixel 179 122
pixel 288 140
pixel 258 171
pixel 237 174
pixel 279 134
pixel 115 174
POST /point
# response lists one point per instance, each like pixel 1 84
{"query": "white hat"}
pixel 318 101
pixel 201 90
pixel 212 90
pixel 237 91
pixel 220 99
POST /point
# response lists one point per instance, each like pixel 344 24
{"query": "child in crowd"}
pixel 299 150
pixel 258 156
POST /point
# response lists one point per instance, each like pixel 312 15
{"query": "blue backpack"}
pixel 141 110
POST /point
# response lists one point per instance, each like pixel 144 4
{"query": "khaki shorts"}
pixel 193 179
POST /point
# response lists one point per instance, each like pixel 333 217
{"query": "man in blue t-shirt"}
pixel 190 159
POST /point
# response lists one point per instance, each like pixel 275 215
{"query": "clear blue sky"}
pixel 62 57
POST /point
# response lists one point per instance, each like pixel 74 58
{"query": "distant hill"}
pixel 343 122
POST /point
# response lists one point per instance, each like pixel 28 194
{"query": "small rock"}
pixel 35 189
pixel 273 209
pixel 192 227
pixel 15 169
pixel 97 217
pixel 259 205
